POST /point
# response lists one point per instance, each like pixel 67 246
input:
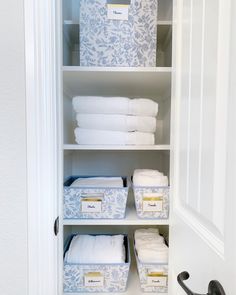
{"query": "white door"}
pixel 203 224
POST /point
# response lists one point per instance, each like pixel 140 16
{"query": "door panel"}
pixel 200 218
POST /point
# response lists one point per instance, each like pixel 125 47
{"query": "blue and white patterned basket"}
pixel 152 202
pixel 113 276
pixel 104 203
pixel 124 43
pixel 153 276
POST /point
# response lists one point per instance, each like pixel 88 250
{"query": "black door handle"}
pixel 214 287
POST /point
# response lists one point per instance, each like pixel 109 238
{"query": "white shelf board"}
pixel 130 219
pixel 164 22
pixel 117 69
pixel 150 82
pixel 159 22
pixel 133 285
pixel 161 147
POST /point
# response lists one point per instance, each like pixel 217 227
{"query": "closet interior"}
pixel 116 160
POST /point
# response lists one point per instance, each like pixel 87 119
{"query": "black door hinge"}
pixel 56 226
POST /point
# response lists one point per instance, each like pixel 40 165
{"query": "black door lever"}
pixel 214 287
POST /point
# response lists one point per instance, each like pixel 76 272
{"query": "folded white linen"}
pixel 115 105
pixel 96 249
pixel 102 137
pixel 148 177
pixel 155 255
pixel 150 246
pixel 116 122
pixel 143 232
pixel 98 182
pixel 148 243
pixel 148 172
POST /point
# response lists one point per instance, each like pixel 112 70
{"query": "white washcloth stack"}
pixel 96 249
pixel 115 120
pixel 149 177
pixel 150 246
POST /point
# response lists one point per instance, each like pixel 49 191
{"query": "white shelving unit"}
pixel 149 82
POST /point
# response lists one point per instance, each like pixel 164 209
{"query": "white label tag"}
pixel 152 202
pixel 93 280
pixel 118 11
pixel 157 281
pixel 91 206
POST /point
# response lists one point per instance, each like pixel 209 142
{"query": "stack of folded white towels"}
pixel 96 249
pixel 150 246
pixel 149 177
pixel 115 120
pixel 98 182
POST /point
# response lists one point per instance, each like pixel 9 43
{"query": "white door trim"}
pixel 42 144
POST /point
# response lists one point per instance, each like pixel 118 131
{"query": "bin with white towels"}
pixel 151 193
pixel 151 254
pixel 96 263
pixel 95 197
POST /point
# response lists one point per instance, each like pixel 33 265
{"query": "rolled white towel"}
pixel 98 182
pixel 124 123
pixel 102 137
pixel 96 249
pixel 148 177
pixel 115 105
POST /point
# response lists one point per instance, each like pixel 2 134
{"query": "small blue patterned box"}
pixel 124 43
pixel 152 202
pixel 97 278
pixel 94 203
pixel 153 276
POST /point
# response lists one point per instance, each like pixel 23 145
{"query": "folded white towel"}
pixel 144 232
pixel 155 255
pixel 98 182
pixel 115 105
pixel 150 246
pixel 147 244
pixel 93 137
pixel 96 249
pixel 116 122
pixel 147 172
pixel 148 177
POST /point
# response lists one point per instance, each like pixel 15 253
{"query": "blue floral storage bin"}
pixel 152 202
pixel 153 276
pixel 112 278
pixel 94 203
pixel 124 43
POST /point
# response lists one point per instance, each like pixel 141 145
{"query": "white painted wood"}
pixel 162 147
pixel 117 69
pixel 202 220
pixel 118 82
pixel 130 219
pixel 42 145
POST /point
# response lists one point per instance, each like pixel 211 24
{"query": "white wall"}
pixel 13 198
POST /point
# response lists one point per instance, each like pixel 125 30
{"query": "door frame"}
pixel 44 161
